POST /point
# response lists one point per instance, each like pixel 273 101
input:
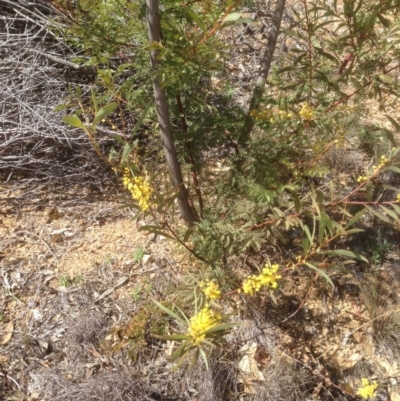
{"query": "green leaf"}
pixel 232 17
pixel 113 154
pixel 181 360
pixel 141 119
pixel 127 150
pixel 62 107
pixel 396 208
pixel 244 21
pixel 172 337
pixel 94 99
pixel 321 230
pixel 352 231
pixel 183 314
pixel 296 201
pixel 328 222
pixel 385 22
pixel 390 187
pixel 391 213
pixel 390 136
pixel 188 233
pixel 222 327
pixel 285 69
pixel 307 232
pixel 343 252
pixel 194 360
pixel 355 218
pixel 370 190
pixel 321 273
pixel 204 356
pixel 119 139
pixel 340 269
pixel 104 112
pixel 332 191
pixel 345 212
pixel 379 215
pixel 195 17
pixel 79 92
pixel 291 33
pixel 394 122
pixel 169 312
pixel 326 55
pixel 74 121
pixel 386 78
pixel 305 243
pixel 272 295
pixel 392 168
pixel 179 352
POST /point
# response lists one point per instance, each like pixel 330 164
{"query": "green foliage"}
pixel 136 334
pixel 204 329
pixel 68 281
pixel 276 191
pixel 138 254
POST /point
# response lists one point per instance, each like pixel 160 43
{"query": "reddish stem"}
pixel 190 155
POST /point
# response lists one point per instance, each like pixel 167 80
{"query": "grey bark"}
pixel 264 70
pixel 153 23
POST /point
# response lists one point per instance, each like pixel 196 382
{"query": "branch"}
pixel 264 70
pixel 85 70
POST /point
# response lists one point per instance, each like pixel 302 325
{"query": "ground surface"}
pixel 77 276
pixel 72 282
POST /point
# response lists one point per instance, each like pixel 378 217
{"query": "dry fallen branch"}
pixel 35 76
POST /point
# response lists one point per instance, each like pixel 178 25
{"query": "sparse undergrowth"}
pixel 288 282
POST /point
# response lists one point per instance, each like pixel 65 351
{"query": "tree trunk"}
pixel 153 23
pixel 264 70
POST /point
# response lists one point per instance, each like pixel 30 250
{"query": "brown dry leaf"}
pixel 3 359
pixel 392 369
pixel 248 387
pixel 248 368
pixel 394 396
pixel 359 336
pixel 285 357
pixel 8 332
pixel 342 364
pixel 261 356
pixel 346 387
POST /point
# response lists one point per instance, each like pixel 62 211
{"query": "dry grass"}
pixel 380 294
pixel 122 385
pixel 57 350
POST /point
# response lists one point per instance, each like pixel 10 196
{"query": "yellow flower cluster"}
pixel 375 169
pixel 306 112
pixel 398 198
pixel 262 115
pixel 368 389
pixel 340 137
pixel 140 189
pixel 268 115
pixel 211 290
pixel 381 164
pixel 205 319
pixel 362 178
pixel 283 115
pixel 267 278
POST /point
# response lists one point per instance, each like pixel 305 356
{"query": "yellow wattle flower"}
pixel 205 319
pixel 139 188
pixel 368 389
pixel 306 112
pixel 211 290
pixel 267 278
